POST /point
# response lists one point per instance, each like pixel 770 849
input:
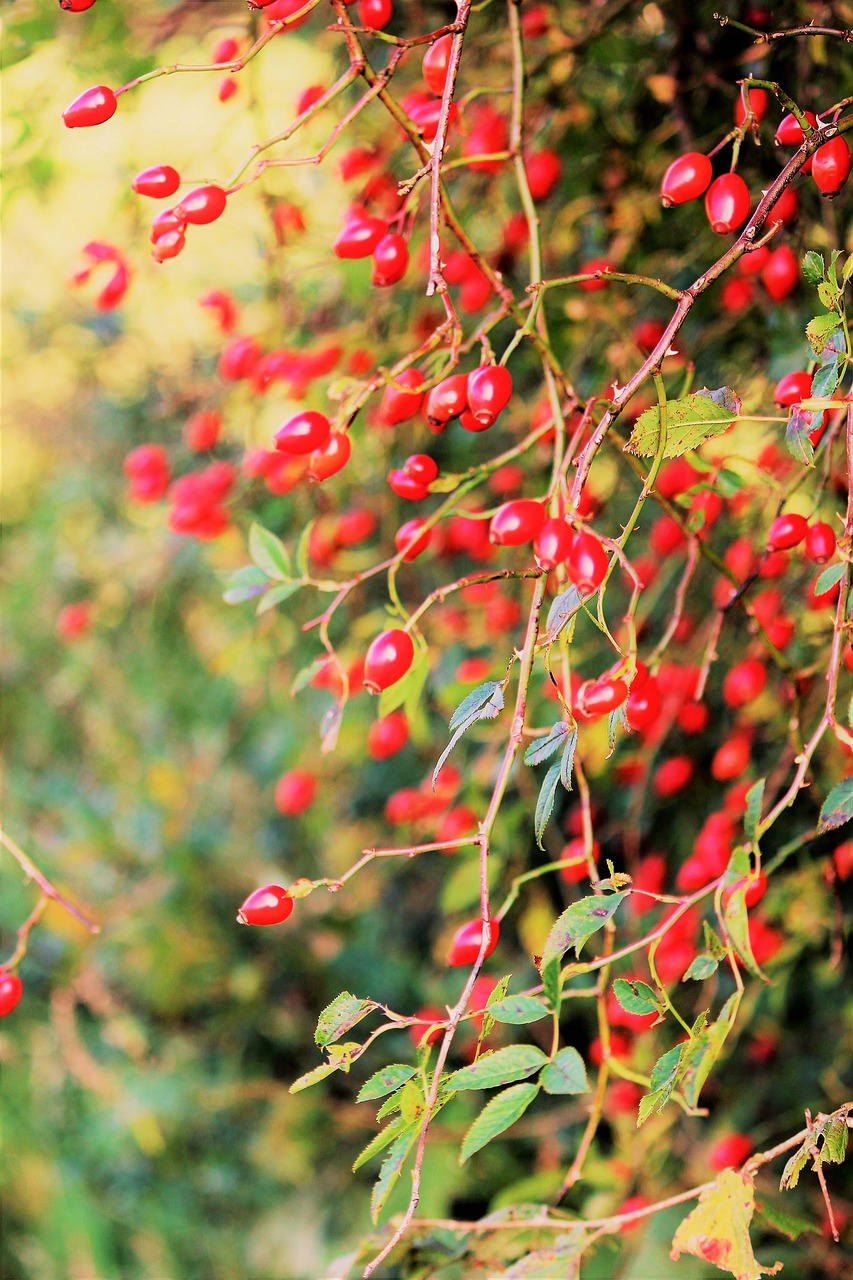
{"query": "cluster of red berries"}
pixel 364 235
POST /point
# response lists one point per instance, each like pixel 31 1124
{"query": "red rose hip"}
pixel 687 178
pixel 94 106
pixel 304 433
pixel 11 990
pixel 268 905
pixel 467 941
pixel 388 659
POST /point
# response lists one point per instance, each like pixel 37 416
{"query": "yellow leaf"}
pixel 717 1230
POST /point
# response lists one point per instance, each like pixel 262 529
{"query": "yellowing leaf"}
pixel 717 1230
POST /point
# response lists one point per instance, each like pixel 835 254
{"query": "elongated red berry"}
pixel 553 542
pixel 820 542
pixel 359 236
pixel 596 698
pixel 488 393
pixel 304 433
pixel 203 205
pixel 517 522
pixel 268 905
pixel 687 178
pixel 727 203
pixel 790 132
pixel 467 941
pixel 94 106
pixel 390 260
pixel 332 458
pixel 76 6
pixel 375 14
pixel 793 388
pixel 11 990
pixel 159 182
pixel 586 563
pixel 544 170
pixel 388 659
pixel 435 64
pixel 412 539
pixel 295 792
pixel 757 105
pixel 447 400
pixel 744 682
pixel 781 273
pixel 421 467
pixel 787 530
pixel 831 166
pixel 400 405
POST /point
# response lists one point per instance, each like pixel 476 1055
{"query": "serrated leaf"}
pixel 697 1059
pixel 690 421
pixel 345 1012
pixel 407 691
pixel 314 1076
pixel 380 1141
pixel 496 1117
pixel 826 378
pixel 837 808
pixel 701 967
pixel 518 1010
pixel 828 293
pixel 834 573
pixel 392 1167
pixel 385 1081
pixel 300 554
pixel 737 927
pixel 245 584
pixel 650 1103
pixel 661 1084
pixel 797 434
pixel 562 1257
pixel 754 801
pixel 713 943
pixel 717 1230
pixel 567 759
pixel 818 330
pixel 542 748
pixel 635 996
pixel 847 270
pixel 500 1067
pixel 484 703
pixel 789 1224
pixel 578 922
pixel 566 1073
pixel 269 553
pixel 412 1101
pixel 275 595
pixel 545 802
pixel 498 992
pixel 563 609
pixel 826 1143
pixel 391 1104
pixel 551 983
pixel 814 267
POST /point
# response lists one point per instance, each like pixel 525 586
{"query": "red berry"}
pixel 820 542
pixel 727 203
pixel 225 51
pixel 781 273
pixel 488 136
pixel 644 705
pixel 355 526
pixel 787 530
pixel 732 756
pixel 280 11
pixel 757 105
pixel 790 133
pixel 375 13
pixel 388 659
pixel 744 682
pixel 595 264
pixel 227 88
pixel 76 6
pixel 147 469
pixel 517 522
pixel 304 433
pixel 295 792
pixel 687 178
pixel 269 905
pixel 398 405
pixel 786 207
pixel 359 236
pixel 672 776
pixel 332 458
pixel 587 563
pixel 412 539
pixel 201 431
pixel 92 107
pixel 467 941
pixel 73 621
pixel 727 1152
pixel 596 698
pixel 793 388
pixel 488 392
pixel 421 467
pixel 435 64
pixel 552 543
pixel 160 181
pixel 203 204
pixel 447 400
pixel 168 245
pixel 11 990
pixel 544 170
pixel 167 223
pixel 239 359
pixel 390 261
pixel 387 736
pixel 831 166
pixel 406 486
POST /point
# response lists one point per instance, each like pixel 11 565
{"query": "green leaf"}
pixel 496 1117
pixel 814 267
pixel 245 584
pixel 385 1081
pixel 392 1167
pixel 307 674
pixel 826 378
pixel 847 270
pixel 827 1143
pixel 819 329
pixel 752 816
pixel 690 421
pixel 789 1224
pixel 381 1140
pixel 578 922
pixel 340 1059
pixel 837 808
pixel 662 1082
pixel 391 1104
pixel 635 996
pixel 340 1016
pixel 829 577
pixel 485 703
pixel 698 1056
pixel 300 555
pixel 567 759
pixel 737 926
pixel 566 1073
pixel 729 482
pixel 797 434
pixel 561 1257
pixel 563 609
pixel 551 983
pixel 651 1103
pixel 269 553
pixel 542 748
pixel 500 1067
pixel 713 943
pixel 545 802
pixel 275 595
pixel 498 993
pixel 407 691
pixel 701 967
pixel 518 1010
pixel 828 293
